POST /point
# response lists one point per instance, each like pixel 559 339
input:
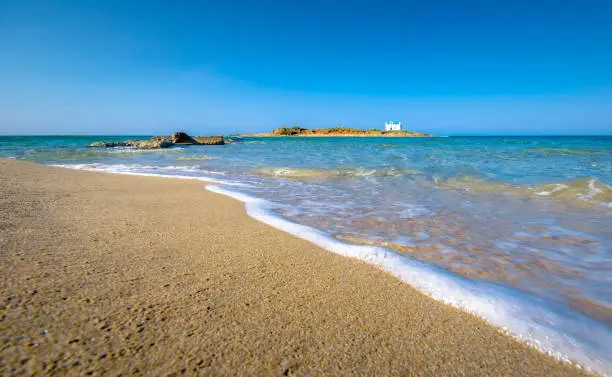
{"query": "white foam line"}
pixel 110 169
pixel 549 327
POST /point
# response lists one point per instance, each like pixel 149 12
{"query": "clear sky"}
pixel 208 67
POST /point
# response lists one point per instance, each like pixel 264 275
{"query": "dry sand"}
pixel 120 275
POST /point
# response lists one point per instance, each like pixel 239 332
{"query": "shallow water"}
pixel 530 213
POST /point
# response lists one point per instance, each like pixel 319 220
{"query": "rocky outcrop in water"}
pixel 150 144
pixel 140 144
pixel 157 142
pixel 209 140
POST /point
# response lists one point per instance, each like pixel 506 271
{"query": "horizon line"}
pixel 251 133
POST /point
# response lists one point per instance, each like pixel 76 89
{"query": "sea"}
pixel 516 230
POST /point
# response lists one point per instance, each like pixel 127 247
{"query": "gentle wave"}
pixel 61 154
pixel 588 191
pixel 196 158
pixel 503 264
pixel 128 150
pixel 562 333
pixel 298 173
pixel 580 192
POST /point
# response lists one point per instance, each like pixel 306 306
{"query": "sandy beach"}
pixel 107 274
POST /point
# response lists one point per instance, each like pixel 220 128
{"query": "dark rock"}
pixel 182 138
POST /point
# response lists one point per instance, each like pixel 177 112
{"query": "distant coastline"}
pixel 336 131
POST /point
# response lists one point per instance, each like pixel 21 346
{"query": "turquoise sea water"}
pixel 532 215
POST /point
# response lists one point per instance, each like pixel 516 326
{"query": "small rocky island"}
pixel 157 142
pixel 337 131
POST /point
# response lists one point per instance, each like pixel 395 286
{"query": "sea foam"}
pixel 555 330
pixel 163 172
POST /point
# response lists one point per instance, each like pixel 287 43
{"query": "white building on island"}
pixel 393 126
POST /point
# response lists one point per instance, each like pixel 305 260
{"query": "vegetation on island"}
pixel 289 131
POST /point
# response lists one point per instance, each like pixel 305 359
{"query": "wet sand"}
pixel 106 274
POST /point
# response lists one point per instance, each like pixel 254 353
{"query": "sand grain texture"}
pixel 119 275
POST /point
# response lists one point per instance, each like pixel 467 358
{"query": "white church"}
pixel 393 126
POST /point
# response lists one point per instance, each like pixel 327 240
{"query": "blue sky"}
pixel 447 67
